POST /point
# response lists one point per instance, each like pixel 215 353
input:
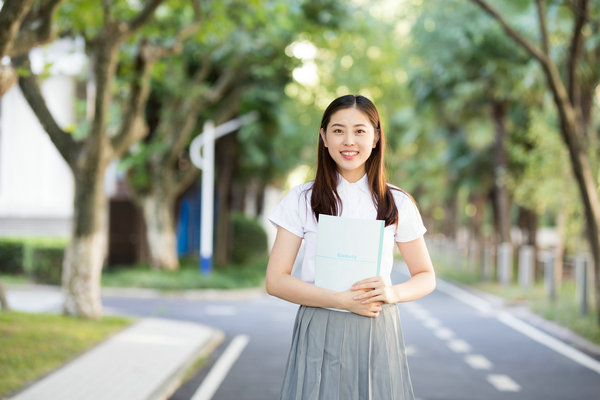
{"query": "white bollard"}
pixel 526 267
pixel 487 262
pixel 549 275
pixel 581 282
pixel 504 263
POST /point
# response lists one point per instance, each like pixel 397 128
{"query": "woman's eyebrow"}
pixel 343 126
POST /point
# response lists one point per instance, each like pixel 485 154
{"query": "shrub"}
pixel 43 262
pixel 39 259
pixel 11 256
pixel 249 238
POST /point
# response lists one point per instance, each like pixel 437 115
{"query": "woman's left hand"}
pixel 376 290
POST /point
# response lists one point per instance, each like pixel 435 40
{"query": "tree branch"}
pixel 38 32
pixel 108 19
pixel 183 178
pixel 12 14
pixel 133 127
pixel 516 36
pixel 63 141
pixel 143 16
pixel 580 13
pixel 541 10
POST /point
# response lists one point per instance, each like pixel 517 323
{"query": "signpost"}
pixel 202 154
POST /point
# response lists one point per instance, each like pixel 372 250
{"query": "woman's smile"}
pixel 349 155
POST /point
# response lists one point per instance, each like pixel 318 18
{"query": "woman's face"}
pixel 350 139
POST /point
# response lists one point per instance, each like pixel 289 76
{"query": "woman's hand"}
pixel 371 309
pixel 373 290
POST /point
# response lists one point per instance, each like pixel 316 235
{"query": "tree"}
pixel 571 80
pixel 104 141
pixel 24 24
pixel 235 66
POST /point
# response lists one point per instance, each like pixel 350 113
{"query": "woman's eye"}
pixel 360 132
pixel 338 131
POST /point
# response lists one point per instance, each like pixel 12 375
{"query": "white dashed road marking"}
pixel 459 346
pixel 444 333
pixel 477 361
pixel 503 383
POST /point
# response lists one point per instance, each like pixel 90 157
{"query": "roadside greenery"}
pixel 32 345
pixel 230 276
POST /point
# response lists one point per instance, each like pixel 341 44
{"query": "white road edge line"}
pixel 219 371
pixel 520 326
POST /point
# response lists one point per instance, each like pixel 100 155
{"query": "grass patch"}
pixel 8 279
pixel 564 310
pixel 32 345
pixel 251 274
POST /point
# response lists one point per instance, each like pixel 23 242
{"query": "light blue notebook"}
pixel 348 250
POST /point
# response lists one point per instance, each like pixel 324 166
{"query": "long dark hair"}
pixel 325 198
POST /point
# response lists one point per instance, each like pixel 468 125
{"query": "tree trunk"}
pixel 450 227
pixel 528 223
pixel 3 301
pixel 260 198
pixel 225 164
pixel 160 231
pixel 501 171
pixel 475 234
pixel 85 254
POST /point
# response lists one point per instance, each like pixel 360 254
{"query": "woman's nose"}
pixel 348 139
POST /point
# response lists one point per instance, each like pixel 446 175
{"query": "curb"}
pixel 173 382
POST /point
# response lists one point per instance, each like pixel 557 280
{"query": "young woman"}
pixel 357 354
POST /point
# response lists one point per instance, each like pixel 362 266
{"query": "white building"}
pixel 36 184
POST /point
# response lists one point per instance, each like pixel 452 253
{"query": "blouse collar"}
pixel 361 184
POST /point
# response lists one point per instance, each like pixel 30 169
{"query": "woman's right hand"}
pixel 356 306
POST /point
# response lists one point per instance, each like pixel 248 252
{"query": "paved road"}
pixel 456 350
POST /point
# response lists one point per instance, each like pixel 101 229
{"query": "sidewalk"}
pixel 145 361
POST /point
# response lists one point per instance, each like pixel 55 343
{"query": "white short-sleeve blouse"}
pixel 294 213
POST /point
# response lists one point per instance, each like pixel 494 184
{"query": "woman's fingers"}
pixel 369 283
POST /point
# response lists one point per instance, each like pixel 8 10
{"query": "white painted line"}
pixel 219 371
pixel 220 310
pixel 549 341
pixel 503 383
pixel 459 346
pixel 432 323
pixel 521 326
pixel 477 361
pixel 444 333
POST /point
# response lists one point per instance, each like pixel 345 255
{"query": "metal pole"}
pixel 208 190
pixel 205 143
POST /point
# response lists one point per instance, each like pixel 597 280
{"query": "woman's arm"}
pixel 421 283
pixel 282 284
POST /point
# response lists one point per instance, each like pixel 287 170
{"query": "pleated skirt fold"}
pixel 345 356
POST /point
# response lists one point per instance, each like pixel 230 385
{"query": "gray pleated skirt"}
pixel 345 356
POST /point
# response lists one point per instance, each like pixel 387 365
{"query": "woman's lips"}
pixel 349 155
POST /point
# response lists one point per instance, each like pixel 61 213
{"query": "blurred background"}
pixel 491 118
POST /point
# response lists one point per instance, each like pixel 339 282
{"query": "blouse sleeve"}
pixel 410 223
pixel 291 212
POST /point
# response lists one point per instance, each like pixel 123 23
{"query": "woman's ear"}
pixel 375 138
pixel 322 133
